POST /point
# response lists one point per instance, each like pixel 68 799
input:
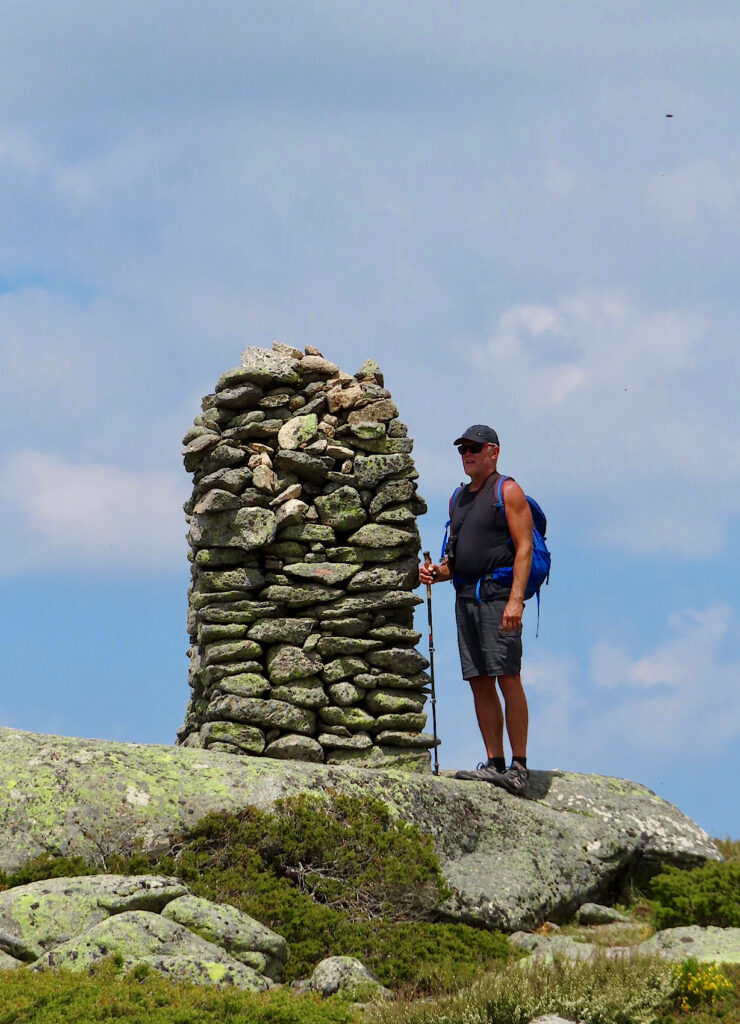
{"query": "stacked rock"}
pixel 304 551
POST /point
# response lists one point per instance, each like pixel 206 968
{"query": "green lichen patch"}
pixel 136 936
pixel 43 914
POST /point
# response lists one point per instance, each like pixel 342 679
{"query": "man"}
pixel 482 539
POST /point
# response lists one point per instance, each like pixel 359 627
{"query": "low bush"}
pixel 46 865
pixel 333 875
pixel 709 895
pixel 625 990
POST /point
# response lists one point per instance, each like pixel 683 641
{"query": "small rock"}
pixel 342 509
pixel 296 748
pixel 322 572
pixel 290 631
pixel 360 741
pixel 708 945
pixel 345 694
pixel 304 693
pixel 354 719
pixel 345 398
pixel 594 913
pixel 229 928
pixel 298 432
pixel 261 366
pixel 345 974
pixel 384 702
pixel 264 479
pixel 286 663
pixel 293 491
pixel 376 536
pixel 316 364
pixel 287 350
pixel 273 714
pixel 290 513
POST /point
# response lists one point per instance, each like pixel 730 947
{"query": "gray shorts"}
pixel 485 650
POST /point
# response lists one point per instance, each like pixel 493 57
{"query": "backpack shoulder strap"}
pixel 453 499
pixel 500 493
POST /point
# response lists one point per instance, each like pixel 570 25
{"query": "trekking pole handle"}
pixel 435 572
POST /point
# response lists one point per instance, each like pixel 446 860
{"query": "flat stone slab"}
pixel 511 862
pixel 708 945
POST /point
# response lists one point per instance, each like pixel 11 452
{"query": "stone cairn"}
pixel 304 552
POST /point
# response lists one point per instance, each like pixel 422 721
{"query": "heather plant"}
pixel 622 990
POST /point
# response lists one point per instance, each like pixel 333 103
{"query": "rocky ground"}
pixel 512 863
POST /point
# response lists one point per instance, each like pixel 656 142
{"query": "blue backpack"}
pixel 540 570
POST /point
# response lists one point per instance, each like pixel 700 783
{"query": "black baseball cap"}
pixel 478 432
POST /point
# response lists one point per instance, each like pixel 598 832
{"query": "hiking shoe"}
pixel 483 773
pixel 514 780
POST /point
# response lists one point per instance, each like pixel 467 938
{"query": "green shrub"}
pixel 46 865
pixel 334 875
pixel 347 853
pixel 709 895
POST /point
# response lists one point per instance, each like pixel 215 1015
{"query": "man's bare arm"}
pixel 519 522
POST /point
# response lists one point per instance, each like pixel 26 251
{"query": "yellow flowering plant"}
pixel 698 983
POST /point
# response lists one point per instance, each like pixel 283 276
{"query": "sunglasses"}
pixel 470 446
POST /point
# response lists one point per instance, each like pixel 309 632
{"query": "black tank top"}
pixel 483 540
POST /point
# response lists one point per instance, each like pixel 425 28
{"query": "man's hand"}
pixel 428 573
pixel 512 617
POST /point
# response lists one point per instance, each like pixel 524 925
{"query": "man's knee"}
pixel 510 685
pixel 482 684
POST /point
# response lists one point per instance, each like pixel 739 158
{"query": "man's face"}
pixel 477 458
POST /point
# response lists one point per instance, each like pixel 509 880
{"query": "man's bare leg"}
pixel 517 713
pixel 489 713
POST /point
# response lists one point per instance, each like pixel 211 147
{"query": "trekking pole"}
pixel 428 561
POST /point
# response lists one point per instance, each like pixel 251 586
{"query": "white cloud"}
pixel 683 695
pixel 625 409
pixel 92 516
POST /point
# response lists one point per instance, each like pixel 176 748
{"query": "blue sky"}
pixel 486 198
